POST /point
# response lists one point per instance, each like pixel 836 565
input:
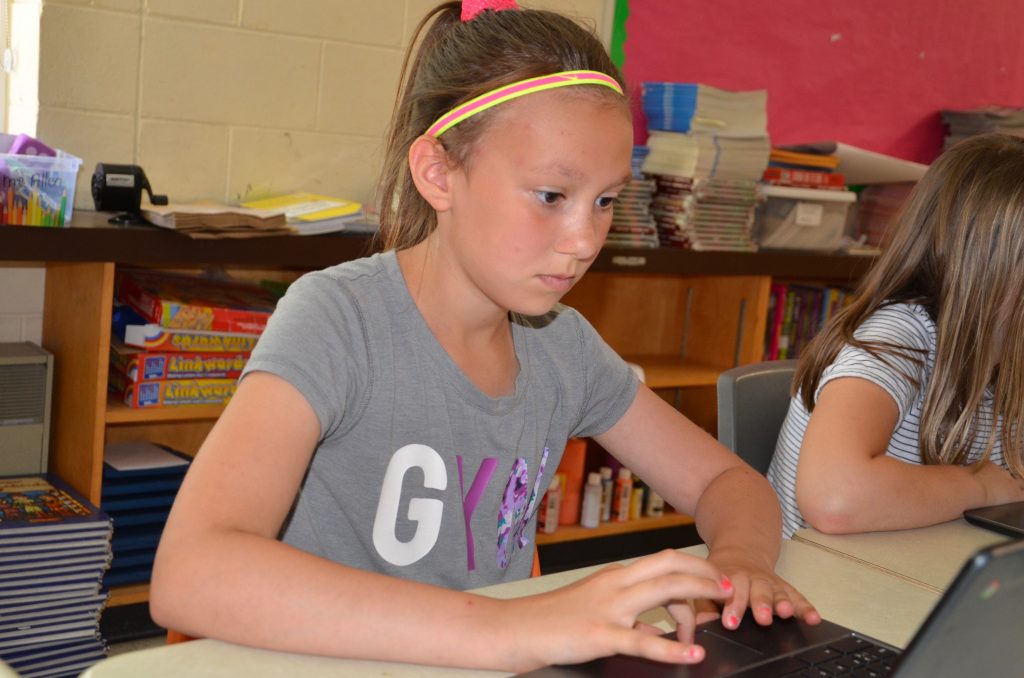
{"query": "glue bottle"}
pixel 592 501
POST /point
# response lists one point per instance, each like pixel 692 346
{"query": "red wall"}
pixel 871 73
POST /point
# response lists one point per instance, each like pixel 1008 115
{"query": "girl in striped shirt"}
pixel 908 405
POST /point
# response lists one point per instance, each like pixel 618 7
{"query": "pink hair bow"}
pixel 470 8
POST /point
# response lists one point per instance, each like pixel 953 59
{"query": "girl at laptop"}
pixel 909 405
pixel 397 424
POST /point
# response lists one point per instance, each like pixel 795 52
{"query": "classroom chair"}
pixel 752 404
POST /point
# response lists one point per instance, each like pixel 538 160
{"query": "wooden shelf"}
pixel 128 595
pixel 662 371
pixel 91 238
pixel 119 413
pixel 566 533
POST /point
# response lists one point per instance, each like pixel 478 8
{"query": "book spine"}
pixel 803 178
pixel 786 330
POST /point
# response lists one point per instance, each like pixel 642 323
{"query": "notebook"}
pixel 1005 518
pixel 974 630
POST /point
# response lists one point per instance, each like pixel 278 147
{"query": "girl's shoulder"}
pixel 903 322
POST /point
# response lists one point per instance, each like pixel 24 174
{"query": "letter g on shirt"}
pixel 425 512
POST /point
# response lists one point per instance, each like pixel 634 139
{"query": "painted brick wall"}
pixel 221 99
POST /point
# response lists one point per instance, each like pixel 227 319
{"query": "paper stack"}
pixel 694 107
pixel 311 214
pixel 54 549
pixel 211 220
pixel 632 223
pixel 140 481
pixel 705 215
pixel 961 124
pixel 708 148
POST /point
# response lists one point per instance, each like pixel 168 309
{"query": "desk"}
pixel 846 592
pixel 928 557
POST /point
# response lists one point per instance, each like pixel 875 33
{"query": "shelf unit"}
pixel 683 316
pixel 567 533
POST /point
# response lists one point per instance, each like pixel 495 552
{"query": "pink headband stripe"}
pixel 518 89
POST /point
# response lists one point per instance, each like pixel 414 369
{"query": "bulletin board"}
pixel 871 73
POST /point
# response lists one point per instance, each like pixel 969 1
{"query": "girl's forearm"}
pixel 739 511
pixel 886 494
pixel 254 591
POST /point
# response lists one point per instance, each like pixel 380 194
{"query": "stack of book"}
pixel 787 167
pixel 705 215
pixel 708 149
pixel 961 124
pixel 54 550
pixel 796 313
pixel 213 220
pixel 632 223
pixel 877 207
pixel 182 340
pixel 695 107
pixel 311 214
pixel 140 481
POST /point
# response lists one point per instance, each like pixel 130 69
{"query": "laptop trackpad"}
pixel 722 655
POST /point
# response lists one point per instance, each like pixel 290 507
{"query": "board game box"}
pixel 164 392
pixel 141 365
pixel 177 301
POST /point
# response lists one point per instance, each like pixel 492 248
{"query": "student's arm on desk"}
pixel 846 482
pixel 736 511
pixel 221 573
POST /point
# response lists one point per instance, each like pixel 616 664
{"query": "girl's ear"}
pixel 428 163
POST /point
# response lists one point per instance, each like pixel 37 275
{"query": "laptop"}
pixel 974 630
pixel 1005 518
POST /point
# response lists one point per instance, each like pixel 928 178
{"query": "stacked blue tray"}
pixel 140 481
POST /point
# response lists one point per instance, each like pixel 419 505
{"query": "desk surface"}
pixel 928 557
pixel 846 592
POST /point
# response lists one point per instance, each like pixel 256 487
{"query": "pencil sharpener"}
pixel 118 188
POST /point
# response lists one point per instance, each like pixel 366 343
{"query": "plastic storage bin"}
pixel 37 190
pixel 802 218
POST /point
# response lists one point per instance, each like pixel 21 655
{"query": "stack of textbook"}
pixel 708 149
pixel 54 550
pixel 140 481
pixel 961 124
pixel 632 223
pixel 183 340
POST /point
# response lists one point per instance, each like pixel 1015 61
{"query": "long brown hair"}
pixel 956 248
pixel 456 62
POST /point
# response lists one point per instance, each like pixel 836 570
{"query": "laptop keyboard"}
pixel 850 657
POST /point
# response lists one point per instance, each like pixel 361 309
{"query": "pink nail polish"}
pixel 725 583
pixel 694 652
pixel 732 622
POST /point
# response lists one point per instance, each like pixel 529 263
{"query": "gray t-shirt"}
pixel 419 474
pixel 905 325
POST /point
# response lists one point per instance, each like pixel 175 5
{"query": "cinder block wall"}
pixel 223 99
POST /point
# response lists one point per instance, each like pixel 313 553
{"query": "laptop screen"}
pixel 975 630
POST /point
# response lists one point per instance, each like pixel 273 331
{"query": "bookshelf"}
pixel 683 316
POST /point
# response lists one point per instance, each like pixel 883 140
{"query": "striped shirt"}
pixel 905 325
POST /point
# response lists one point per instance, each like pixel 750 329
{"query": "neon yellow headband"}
pixel 516 90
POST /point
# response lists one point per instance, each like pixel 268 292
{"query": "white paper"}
pixel 139 455
pixel 860 166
